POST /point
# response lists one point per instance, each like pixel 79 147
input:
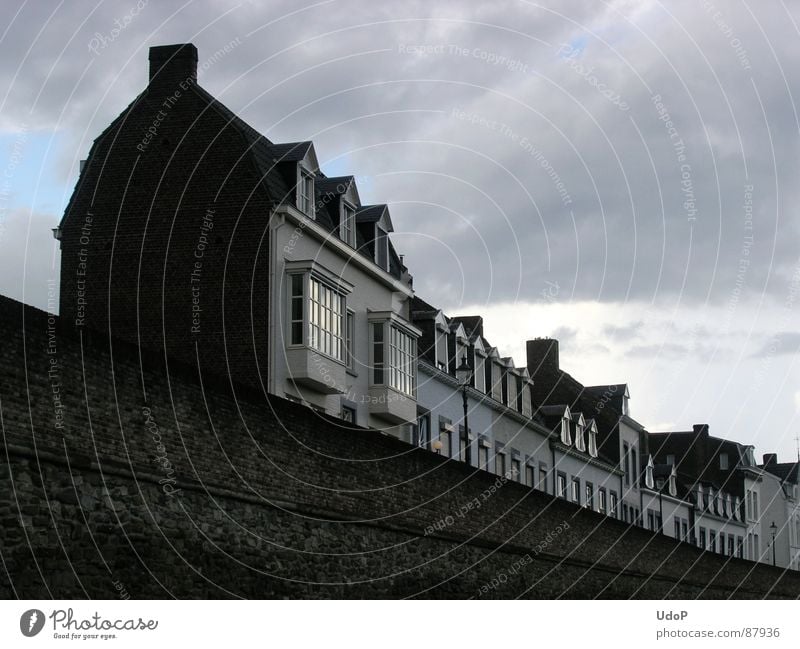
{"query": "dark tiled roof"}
pixel 290 151
pixel 370 213
pixel 334 186
pixel 786 471
pixel 473 325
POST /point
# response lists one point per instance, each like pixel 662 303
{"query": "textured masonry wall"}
pixel 177 224
pixel 254 498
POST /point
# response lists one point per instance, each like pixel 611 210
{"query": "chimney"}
pixel 770 458
pixel 173 64
pixel 542 356
pixel 700 430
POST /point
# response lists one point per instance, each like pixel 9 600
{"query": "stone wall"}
pixel 151 482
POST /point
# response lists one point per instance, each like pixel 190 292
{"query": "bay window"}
pixel 316 315
pixel 393 357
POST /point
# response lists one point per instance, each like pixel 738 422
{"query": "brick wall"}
pixel 137 226
pixel 162 482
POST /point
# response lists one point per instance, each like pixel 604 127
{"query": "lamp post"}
pixel 773 528
pixel 464 378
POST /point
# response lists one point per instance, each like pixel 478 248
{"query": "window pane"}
pixel 326 310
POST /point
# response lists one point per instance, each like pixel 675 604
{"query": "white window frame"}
pixel 399 362
pixel 566 438
pixel 347 223
pixel 328 315
pixel 305 191
pixel 593 440
pixel 580 440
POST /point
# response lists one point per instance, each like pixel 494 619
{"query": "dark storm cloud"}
pixel 521 140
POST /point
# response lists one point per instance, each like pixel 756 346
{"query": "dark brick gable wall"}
pixel 146 478
pixel 170 185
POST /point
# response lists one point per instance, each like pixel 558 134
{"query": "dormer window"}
pixel 649 481
pixel 305 192
pixel 580 442
pixel 593 439
pixel 565 432
pixel 723 461
pixel 673 483
pixel 381 248
pixel 347 224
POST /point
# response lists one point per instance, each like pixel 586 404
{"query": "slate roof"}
pixel 786 471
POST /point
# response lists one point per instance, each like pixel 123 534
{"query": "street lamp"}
pixel 437 446
pixel 773 528
pixel 464 378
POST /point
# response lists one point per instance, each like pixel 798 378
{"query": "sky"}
pixel 619 175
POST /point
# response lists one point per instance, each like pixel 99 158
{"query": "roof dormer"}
pixel 649 478
pixel 297 162
pixel 673 482
pixel 566 424
pixel 375 224
pixel 591 429
pixel 579 425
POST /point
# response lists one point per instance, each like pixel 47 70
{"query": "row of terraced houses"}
pixel 192 233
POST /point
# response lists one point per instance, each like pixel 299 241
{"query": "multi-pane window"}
pixel 401 361
pixel 320 307
pixel 576 490
pixel 325 320
pixel 393 357
pixel 542 477
pixel 589 495
pixel 516 470
pixel 305 193
pixel 530 476
pixel 702 538
pixel 347 229
pixel 614 504
pixel 602 504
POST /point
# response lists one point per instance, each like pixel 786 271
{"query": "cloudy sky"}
pixel 620 175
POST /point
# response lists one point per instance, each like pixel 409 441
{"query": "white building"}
pixel 339 294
